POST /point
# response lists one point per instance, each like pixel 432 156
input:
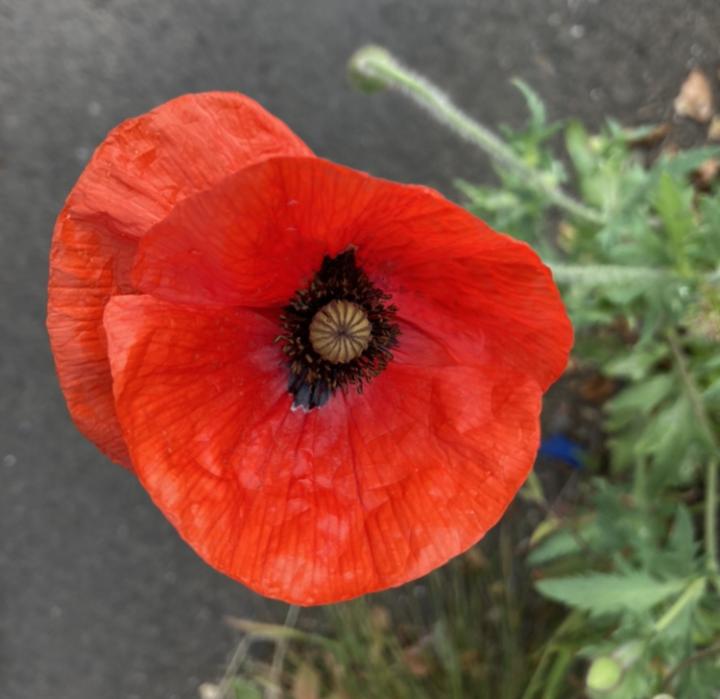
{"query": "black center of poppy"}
pixel 337 332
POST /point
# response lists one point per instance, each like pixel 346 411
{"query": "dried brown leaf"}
pixel 417 661
pixel 695 100
pixel 596 388
pixel 707 173
pixel 651 138
pixel 714 129
pixel 306 683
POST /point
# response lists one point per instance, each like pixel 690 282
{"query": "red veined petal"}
pixel 87 267
pixel 367 492
pixel 254 237
pixel 260 234
pixel 142 169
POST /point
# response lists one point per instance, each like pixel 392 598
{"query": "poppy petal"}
pixel 261 234
pixel 142 169
pixel 87 267
pixel 370 491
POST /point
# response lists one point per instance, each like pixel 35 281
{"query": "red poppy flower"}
pixel 329 383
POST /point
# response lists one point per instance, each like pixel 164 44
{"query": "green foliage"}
pixel 613 592
pixel 608 593
pixel 642 290
pixel 243 689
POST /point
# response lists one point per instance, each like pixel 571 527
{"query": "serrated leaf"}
pixel 636 364
pixel 487 198
pixel 536 107
pixel 673 202
pixel 565 542
pixel 711 395
pixel 641 398
pixel 678 557
pixel 683 164
pixel 674 425
pixel 577 143
pixel 606 593
pixel 681 535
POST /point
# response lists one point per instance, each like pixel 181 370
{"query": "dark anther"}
pixel 336 333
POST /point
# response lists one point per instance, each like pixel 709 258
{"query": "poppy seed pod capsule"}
pixel 340 331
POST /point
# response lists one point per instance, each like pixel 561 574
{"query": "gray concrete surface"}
pixel 99 598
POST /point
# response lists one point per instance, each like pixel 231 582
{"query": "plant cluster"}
pixel 611 590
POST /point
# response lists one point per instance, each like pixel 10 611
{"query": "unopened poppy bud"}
pixel 604 674
pixel 363 68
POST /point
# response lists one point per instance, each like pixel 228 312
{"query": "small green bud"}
pixel 604 674
pixel 362 68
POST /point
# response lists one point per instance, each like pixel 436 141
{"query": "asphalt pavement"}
pixel 99 598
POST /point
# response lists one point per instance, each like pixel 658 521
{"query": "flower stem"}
pixel 274 691
pixel 375 68
pixel 692 592
pixel 706 428
pixel 607 275
pixel 711 491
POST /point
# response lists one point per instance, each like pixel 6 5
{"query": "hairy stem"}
pixel 377 68
pixel 692 592
pixel 607 275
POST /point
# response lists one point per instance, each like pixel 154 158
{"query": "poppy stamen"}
pixel 337 332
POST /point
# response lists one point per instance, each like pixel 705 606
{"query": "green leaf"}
pixel 679 557
pixel 245 690
pixel 564 542
pixel 538 115
pixel 682 538
pixel 636 364
pixel 673 202
pixel 674 424
pixel 640 399
pixel 683 164
pixel 577 143
pixel 711 395
pixel 487 198
pixel 605 593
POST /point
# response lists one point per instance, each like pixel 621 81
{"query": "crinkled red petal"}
pixel 140 172
pixel 260 234
pixel 370 491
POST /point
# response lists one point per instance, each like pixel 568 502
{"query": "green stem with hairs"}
pixel 607 275
pixel 375 68
pixel 692 593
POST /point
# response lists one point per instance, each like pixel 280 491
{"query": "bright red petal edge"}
pixel 144 167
